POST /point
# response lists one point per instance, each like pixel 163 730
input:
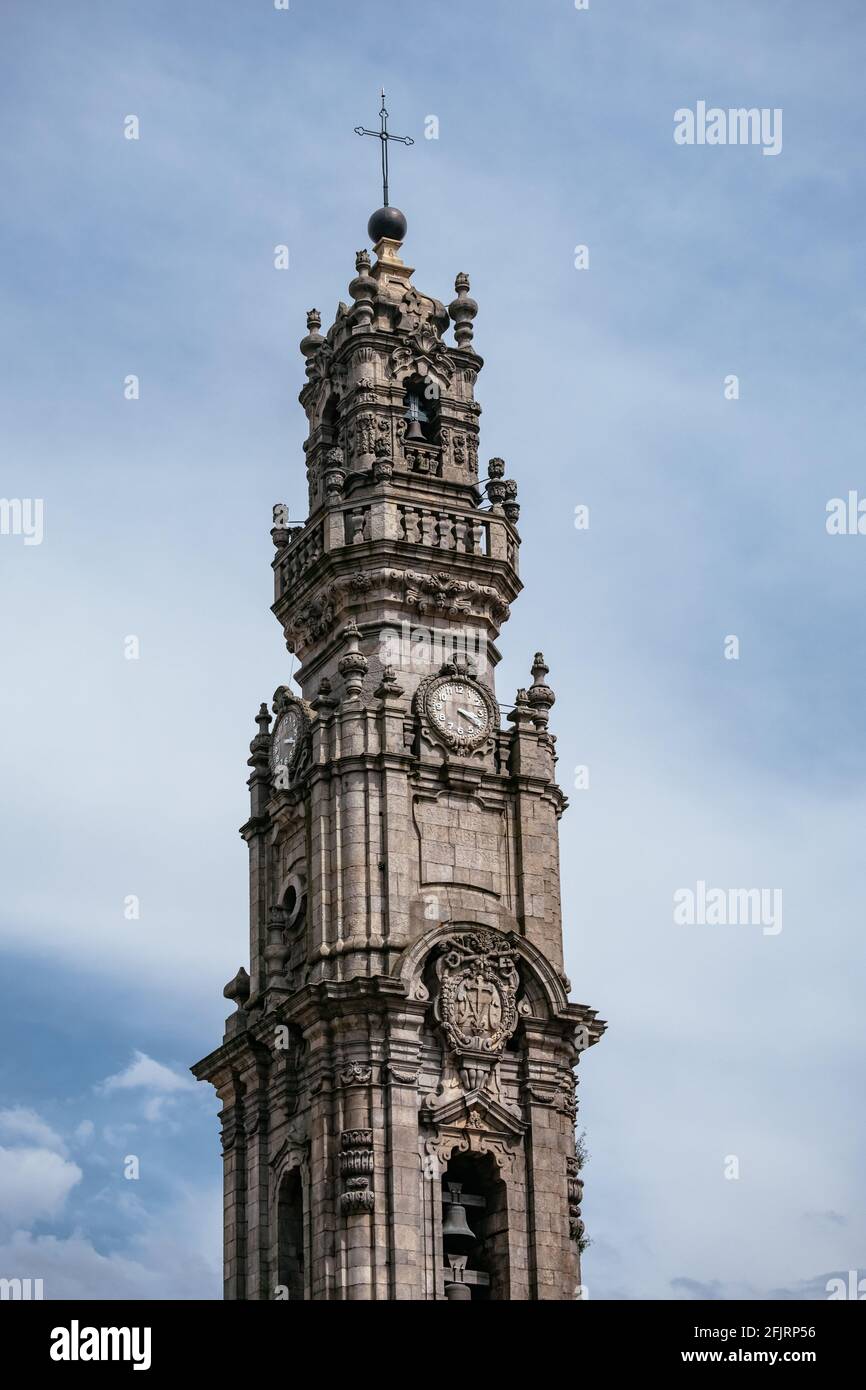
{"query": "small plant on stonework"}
pixel 581 1154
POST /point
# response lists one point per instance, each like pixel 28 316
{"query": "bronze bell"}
pixel 414 433
pixel 456 1289
pixel 456 1229
pixel 458 1292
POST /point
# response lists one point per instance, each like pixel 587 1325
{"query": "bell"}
pixel 414 433
pixel 456 1229
pixel 456 1288
pixel 458 1293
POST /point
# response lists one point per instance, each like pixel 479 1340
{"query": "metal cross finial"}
pixel 384 135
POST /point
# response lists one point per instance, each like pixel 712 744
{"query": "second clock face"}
pixel 459 711
pixel 288 730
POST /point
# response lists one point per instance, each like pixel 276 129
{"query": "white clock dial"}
pixel 284 742
pixel 459 711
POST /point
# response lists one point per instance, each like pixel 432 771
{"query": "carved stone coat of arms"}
pixel 476 1002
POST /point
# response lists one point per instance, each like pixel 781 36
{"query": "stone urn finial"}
pixel 463 310
pixel 540 695
pixel 238 989
pixel 313 340
pixel 511 506
pixel 495 487
pixel 363 290
pixel 260 745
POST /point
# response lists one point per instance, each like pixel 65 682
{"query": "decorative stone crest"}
pixel 476 1002
pixel 421 353
pixel 414 310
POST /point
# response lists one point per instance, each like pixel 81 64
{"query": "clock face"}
pixel 284 742
pixel 459 712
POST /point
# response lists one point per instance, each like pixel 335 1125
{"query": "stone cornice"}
pixel 539 786
pixel 225 1060
pixel 493 789
pixel 256 825
pixel 380 559
pixel 311 612
pixel 329 1000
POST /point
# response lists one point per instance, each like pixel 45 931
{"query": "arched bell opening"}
pixel 475 1228
pixel 290 1234
pixel 330 422
pixel 421 411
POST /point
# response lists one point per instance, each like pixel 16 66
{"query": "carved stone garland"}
pixel 427 594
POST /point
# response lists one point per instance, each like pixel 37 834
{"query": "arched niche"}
pixel 291 1260
pixel 480 1178
pixel 421 410
pixel 543 989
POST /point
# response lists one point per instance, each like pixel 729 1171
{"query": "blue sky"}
pixel 601 387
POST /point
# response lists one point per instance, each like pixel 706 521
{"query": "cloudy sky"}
pixel 604 387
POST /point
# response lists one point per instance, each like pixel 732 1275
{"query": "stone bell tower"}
pixel 397 1083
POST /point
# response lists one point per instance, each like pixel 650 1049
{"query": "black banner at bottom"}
pixel 81 1339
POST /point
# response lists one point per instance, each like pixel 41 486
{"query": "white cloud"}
pixel 34 1183
pixel 143 1073
pixel 116 1136
pixel 19 1123
pixel 178 1257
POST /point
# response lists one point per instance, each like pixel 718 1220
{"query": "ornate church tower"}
pixel 397 1084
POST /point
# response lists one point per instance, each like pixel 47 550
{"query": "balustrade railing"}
pixel 464 532
pixel 301 554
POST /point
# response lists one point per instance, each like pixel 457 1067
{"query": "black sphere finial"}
pixel 388 222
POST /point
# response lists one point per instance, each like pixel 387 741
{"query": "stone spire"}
pixel 395 500
pixel 463 310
